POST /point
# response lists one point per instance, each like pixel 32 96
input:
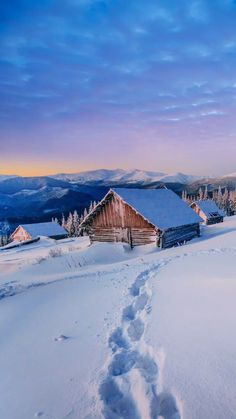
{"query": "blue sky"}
pixel 113 83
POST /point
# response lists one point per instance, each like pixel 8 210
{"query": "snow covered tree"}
pixel 85 213
pixel 184 195
pixel 4 233
pixel 70 225
pixel 76 223
pixel 90 207
pixel 205 196
pixel 63 221
pixel 201 194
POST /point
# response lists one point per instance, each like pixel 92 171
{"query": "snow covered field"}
pixel 105 332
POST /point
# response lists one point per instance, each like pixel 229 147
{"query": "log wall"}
pixel 178 235
pixel 118 222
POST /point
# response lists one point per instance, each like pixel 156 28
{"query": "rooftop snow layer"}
pixel 161 207
pixel 208 206
pixel 44 229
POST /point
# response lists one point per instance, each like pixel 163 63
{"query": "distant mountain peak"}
pixel 123 176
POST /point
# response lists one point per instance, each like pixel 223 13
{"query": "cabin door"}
pixel 124 235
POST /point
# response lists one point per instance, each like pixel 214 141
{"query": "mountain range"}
pixel 28 199
pixel 120 176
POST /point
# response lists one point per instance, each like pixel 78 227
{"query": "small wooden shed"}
pixel 142 216
pixel 31 231
pixel 208 211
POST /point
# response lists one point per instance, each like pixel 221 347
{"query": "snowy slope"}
pixel 230 175
pixel 105 332
pixel 5 177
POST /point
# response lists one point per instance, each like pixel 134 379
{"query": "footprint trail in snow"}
pixel 131 388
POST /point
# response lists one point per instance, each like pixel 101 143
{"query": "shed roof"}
pixel 208 206
pixel 44 229
pixel 161 207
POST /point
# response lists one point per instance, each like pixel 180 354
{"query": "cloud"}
pixel 118 63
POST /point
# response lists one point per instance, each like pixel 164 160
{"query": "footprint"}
pixel 117 340
pixel 128 313
pixel 164 405
pixel 140 281
pixel 141 302
pixel 136 329
pixel 168 408
pixel 122 363
pixel 148 368
pixel 116 404
pixel 38 414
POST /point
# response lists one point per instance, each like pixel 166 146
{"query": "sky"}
pixel 88 84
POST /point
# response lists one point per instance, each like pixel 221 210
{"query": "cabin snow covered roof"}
pixel 208 207
pixel 44 229
pixel 161 207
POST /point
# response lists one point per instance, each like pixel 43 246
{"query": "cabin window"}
pixel 213 214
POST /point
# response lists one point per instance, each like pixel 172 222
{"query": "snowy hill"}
pixel 29 198
pixel 230 175
pixel 5 177
pixel 105 332
pixel 121 176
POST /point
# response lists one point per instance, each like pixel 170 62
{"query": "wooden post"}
pixel 130 238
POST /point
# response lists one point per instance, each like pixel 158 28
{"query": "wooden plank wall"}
pixel 214 220
pixel 177 235
pixel 117 222
pixel 140 236
pixel 118 214
pixel 21 235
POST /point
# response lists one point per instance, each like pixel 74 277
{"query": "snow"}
pixel 119 176
pixel 162 207
pixel 200 349
pixel 5 177
pixel 230 175
pixel 44 229
pixel 103 331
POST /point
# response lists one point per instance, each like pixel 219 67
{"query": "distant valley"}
pixel 26 199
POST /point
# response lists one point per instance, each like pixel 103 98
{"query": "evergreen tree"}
pixel 201 195
pixel 63 221
pixel 90 207
pixel 70 225
pixel 184 195
pixel 76 223
pixel 205 193
pixel 4 233
pixel 85 213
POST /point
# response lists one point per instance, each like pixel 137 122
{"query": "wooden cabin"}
pixel 142 216
pixel 31 231
pixel 208 211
